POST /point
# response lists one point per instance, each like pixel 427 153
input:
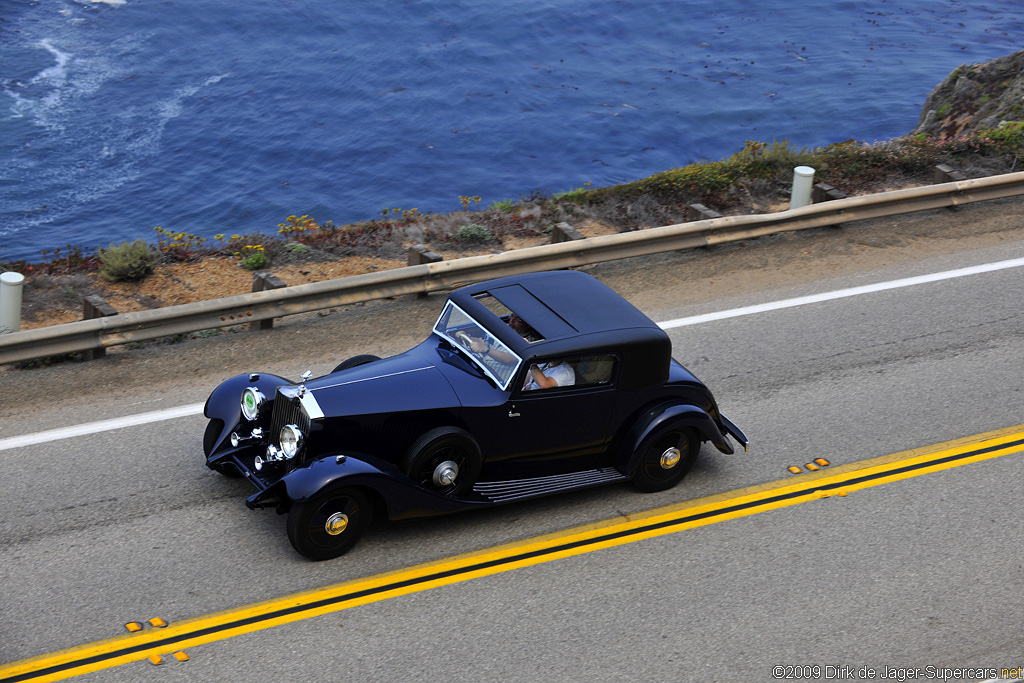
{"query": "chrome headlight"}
pixel 253 401
pixel 291 441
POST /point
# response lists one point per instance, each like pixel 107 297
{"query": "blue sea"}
pixel 227 117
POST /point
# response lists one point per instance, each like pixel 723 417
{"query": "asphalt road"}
pixel 125 525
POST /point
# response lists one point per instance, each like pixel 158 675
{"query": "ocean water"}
pixel 226 117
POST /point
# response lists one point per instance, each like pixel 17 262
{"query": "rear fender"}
pixel 224 403
pixel 677 414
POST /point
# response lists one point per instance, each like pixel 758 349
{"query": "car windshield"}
pixel 482 347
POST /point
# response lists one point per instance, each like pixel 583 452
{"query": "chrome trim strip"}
pixel 368 379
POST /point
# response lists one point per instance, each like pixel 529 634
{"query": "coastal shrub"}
pixel 504 206
pixel 253 256
pixel 466 199
pixel 474 232
pixel 127 261
pixel 576 195
pixel 764 160
pixel 181 245
pixel 1010 136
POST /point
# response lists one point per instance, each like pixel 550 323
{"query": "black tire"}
pixel 355 361
pixel 348 510
pixel 651 474
pixel 209 439
pixel 444 445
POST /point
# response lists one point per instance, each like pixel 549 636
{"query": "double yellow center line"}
pixel 837 480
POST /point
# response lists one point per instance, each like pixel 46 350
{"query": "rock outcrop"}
pixel 975 97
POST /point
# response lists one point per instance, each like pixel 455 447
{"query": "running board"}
pixel 504 491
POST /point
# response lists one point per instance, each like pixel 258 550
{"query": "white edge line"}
pixel 841 293
pixel 197 408
pixel 101 426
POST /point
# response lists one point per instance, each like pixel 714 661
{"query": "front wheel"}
pixel 329 524
pixel 666 459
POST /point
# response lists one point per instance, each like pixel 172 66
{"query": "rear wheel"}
pixel 445 460
pixel 667 457
pixel 355 361
pixel 329 524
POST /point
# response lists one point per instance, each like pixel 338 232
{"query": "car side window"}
pixel 560 374
pixel 595 370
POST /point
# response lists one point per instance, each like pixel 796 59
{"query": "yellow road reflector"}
pixel 181 656
pixel 795 470
pixel 158 622
pixel 812 467
pixel 822 461
pixel 840 480
pixel 133 626
pixel 155 659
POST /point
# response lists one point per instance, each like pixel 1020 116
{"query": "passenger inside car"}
pixel 549 376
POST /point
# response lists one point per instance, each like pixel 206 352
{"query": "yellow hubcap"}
pixel 336 523
pixel 670 458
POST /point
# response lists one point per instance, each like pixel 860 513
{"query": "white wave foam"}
pixel 55 76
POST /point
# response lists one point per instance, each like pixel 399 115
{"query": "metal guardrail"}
pixel 443 275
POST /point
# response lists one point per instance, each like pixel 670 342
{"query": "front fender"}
pixel 224 403
pixel 401 497
pixel 680 414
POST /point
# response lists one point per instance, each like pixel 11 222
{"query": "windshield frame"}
pixel 444 329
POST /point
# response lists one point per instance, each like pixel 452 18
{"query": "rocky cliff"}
pixel 975 97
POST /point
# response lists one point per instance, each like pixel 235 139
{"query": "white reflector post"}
pixel 11 285
pixel 803 181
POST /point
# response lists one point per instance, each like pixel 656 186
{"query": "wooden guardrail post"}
pixel 93 306
pixel 419 254
pixel 699 212
pixel 823 192
pixel 945 173
pixel 563 232
pixel 263 280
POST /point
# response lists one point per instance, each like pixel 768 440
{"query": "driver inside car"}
pixel 484 347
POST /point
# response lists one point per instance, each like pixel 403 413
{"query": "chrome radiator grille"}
pixel 287 411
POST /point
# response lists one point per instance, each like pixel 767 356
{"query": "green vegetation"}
pixel 576 195
pixel 474 232
pixel 127 261
pixel 253 256
pixel 504 206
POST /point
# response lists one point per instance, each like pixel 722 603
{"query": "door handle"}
pixel 513 414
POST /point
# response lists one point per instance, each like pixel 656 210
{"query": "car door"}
pixel 553 431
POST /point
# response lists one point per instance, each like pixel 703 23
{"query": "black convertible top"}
pixel 573 312
pixel 559 303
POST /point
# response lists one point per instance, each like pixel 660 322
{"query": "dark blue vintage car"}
pixel 526 386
